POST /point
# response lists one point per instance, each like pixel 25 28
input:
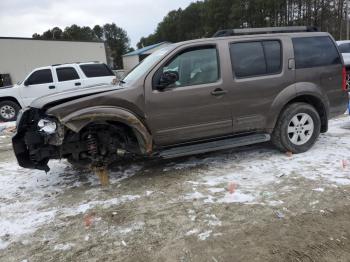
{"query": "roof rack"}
pixel 96 62
pixel 265 30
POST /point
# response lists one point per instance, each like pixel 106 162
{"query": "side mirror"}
pixel 168 78
pixel 26 83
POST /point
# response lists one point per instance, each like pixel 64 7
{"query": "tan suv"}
pixel 242 87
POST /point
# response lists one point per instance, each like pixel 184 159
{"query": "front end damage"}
pixel 40 138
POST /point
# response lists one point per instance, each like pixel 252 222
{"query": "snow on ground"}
pixel 5 125
pixel 29 198
pixel 327 163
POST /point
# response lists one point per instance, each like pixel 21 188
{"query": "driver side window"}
pixel 195 66
pixel 43 76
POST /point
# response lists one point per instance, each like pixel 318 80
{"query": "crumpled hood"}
pixel 72 94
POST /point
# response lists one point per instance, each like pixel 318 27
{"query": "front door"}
pixel 196 106
pixel 38 84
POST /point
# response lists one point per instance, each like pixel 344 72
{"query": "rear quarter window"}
pixel 314 52
pixel 96 70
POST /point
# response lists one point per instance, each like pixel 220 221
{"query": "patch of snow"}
pixel 82 208
pixel 148 193
pixel 204 235
pixel 314 203
pixel 192 232
pixel 319 189
pixel 275 203
pixel 216 189
pixel 212 220
pixel 236 197
pixel 63 247
pixel 195 195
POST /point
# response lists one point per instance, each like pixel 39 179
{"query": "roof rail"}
pixel 96 62
pixel 265 30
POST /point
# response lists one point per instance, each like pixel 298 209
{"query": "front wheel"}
pixel 8 111
pixel 297 128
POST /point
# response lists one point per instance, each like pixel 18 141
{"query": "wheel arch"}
pixel 10 98
pixel 316 101
pixel 77 120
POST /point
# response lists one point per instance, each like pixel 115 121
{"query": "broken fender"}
pixel 77 120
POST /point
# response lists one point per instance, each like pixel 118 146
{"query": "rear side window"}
pixel 43 76
pixel 256 58
pixel 314 52
pixel 96 70
pixel 66 74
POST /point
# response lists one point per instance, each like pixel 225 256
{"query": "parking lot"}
pixel 247 204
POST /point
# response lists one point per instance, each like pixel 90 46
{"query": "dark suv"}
pixel 245 86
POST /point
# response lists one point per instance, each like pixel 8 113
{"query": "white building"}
pixel 130 60
pixel 19 56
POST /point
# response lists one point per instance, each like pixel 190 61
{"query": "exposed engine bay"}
pixel 41 137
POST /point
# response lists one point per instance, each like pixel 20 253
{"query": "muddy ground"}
pixel 247 204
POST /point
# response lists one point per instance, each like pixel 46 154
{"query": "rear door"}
pixel 67 78
pixel 260 71
pixel 196 106
pixel 37 84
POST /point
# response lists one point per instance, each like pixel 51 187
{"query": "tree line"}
pixel 204 18
pixel 116 38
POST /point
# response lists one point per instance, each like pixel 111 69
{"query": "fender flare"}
pixel 293 92
pixel 77 120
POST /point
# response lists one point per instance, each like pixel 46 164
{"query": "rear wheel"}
pixel 297 128
pixel 8 111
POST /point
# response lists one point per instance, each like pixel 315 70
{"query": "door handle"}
pixel 77 84
pixel 52 87
pixel 218 92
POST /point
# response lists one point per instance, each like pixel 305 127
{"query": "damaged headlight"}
pixel 47 126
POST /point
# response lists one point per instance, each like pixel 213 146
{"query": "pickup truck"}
pixel 51 79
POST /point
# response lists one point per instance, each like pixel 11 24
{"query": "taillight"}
pixel 344 79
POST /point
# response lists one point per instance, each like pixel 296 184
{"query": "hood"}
pixel 346 58
pixel 5 87
pixel 57 98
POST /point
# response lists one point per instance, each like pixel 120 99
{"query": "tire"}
pixel 8 111
pixel 297 128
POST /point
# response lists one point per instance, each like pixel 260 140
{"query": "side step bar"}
pixel 214 146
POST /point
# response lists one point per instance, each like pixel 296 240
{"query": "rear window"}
pixel 256 58
pixel 96 70
pixel 314 52
pixel 66 74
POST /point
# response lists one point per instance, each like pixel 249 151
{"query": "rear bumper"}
pixel 339 106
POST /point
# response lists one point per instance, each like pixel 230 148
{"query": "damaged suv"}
pixel 240 87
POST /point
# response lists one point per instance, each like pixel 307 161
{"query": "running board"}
pixel 214 146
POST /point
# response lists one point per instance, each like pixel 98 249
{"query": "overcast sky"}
pixel 139 18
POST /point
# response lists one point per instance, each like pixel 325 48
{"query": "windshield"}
pixel 146 64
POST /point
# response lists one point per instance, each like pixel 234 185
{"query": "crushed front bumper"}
pixel 28 144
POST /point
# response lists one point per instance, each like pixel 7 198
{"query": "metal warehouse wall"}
pixel 19 57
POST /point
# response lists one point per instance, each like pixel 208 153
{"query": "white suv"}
pixel 51 79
